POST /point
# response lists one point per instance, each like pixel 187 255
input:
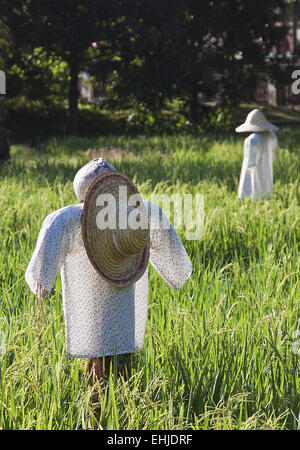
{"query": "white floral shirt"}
pixel 256 177
pixel 101 319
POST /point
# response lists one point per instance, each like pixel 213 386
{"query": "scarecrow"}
pixel 256 178
pixel 103 266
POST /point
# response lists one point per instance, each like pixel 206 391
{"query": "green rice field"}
pixel 221 353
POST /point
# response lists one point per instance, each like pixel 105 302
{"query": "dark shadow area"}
pixel 34 124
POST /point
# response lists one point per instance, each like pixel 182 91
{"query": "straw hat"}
pixel 116 236
pixel 256 121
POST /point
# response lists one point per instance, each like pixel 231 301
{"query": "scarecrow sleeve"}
pixel 167 253
pixel 253 153
pixel 49 255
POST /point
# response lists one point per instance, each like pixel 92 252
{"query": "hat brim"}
pixel 246 127
pixel 120 272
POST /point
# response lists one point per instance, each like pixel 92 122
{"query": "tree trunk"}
pixel 295 31
pixel 73 96
pixel 280 94
pixel 4 144
pixel 194 104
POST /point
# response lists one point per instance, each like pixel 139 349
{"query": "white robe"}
pixel 101 318
pixel 256 177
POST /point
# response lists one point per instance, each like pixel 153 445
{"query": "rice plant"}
pixel 221 353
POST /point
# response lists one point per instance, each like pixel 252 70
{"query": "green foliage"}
pixel 218 353
pixel 30 121
pixel 218 119
pixel 224 54
pixel 38 77
pixel 141 53
pixel 61 31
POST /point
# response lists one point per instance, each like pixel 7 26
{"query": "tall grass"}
pixel 218 353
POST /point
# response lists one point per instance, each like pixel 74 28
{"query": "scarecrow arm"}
pixel 252 152
pixel 36 287
pixel 167 253
pixel 52 247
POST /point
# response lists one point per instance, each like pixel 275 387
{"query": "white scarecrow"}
pixel 104 268
pixel 256 178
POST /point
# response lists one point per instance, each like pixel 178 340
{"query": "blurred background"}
pixel 131 66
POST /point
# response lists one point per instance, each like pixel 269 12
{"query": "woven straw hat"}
pixel 256 121
pixel 116 236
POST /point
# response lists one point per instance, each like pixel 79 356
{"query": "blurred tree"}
pixel 64 30
pixel 37 76
pixel 131 45
pixel 283 66
pixel 140 60
pixel 224 54
pixel 146 51
pixel 209 49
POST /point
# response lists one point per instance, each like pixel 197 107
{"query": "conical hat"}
pixel 115 229
pixel 256 121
